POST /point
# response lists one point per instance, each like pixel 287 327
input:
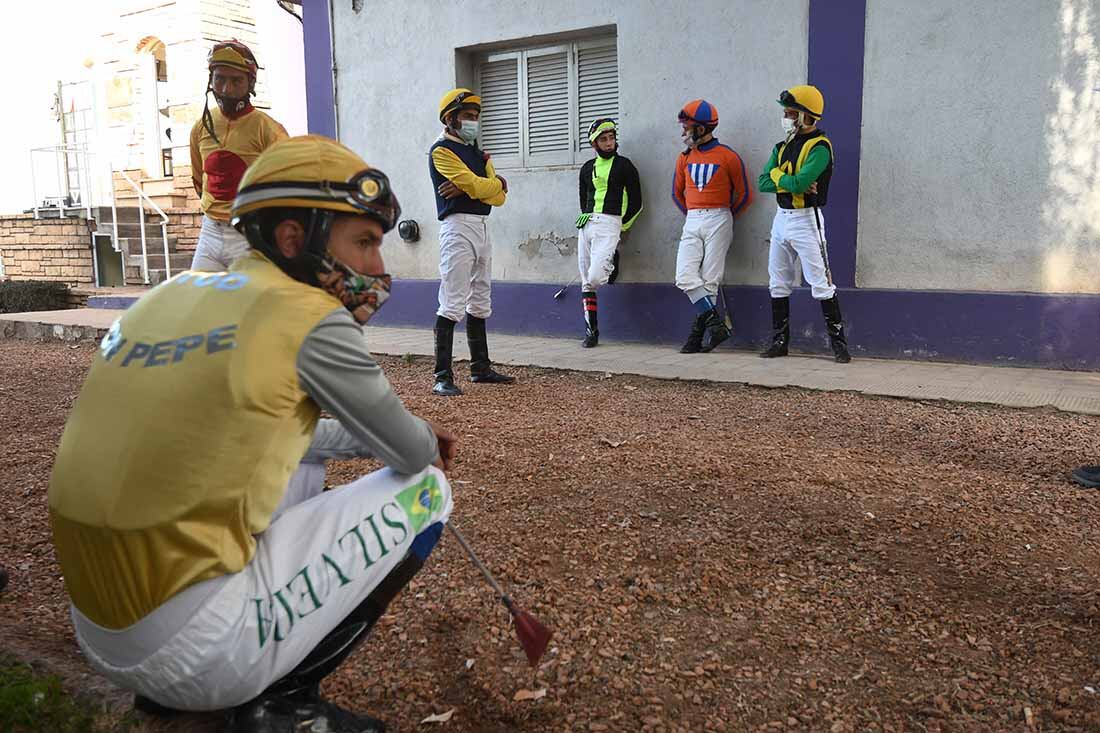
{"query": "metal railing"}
pixel 84 194
pixel 143 197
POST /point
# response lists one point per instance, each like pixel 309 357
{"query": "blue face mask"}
pixel 468 130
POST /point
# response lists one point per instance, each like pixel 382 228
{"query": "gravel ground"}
pixel 711 557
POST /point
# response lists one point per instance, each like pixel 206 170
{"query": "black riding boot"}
pixel 716 329
pixel 694 344
pixel 781 328
pixel 444 347
pixel 294 703
pixel 481 369
pixel 591 323
pixel 835 326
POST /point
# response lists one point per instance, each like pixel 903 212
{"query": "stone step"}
pixel 132 230
pixel 126 214
pixel 158 186
pixel 180 261
pixel 133 275
pixel 164 201
pixel 132 245
pixel 173 201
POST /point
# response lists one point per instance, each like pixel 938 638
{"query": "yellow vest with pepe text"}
pixel 183 439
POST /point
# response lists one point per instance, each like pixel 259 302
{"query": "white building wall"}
pixel 980 164
pixel 396 59
pixel 280 37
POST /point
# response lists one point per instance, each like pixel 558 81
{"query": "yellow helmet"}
pixel 804 98
pixel 234 54
pixel 455 100
pixel 316 172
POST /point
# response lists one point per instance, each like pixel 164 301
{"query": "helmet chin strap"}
pixel 304 266
pixel 241 105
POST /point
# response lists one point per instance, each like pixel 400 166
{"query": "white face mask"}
pixel 468 131
pixel 789 125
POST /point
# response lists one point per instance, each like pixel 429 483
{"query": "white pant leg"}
pixel 782 268
pixel 456 266
pixel 584 254
pixel 689 256
pixel 315 564
pixel 717 236
pixel 803 235
pixel 219 246
pixel 479 302
pixel 602 234
pixel 305 483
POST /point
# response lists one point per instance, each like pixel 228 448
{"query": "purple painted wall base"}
pixel 1058 332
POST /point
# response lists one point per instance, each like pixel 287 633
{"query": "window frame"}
pixel 577 154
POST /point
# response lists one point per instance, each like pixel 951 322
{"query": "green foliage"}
pixel 33 702
pixel 29 702
pixel 23 296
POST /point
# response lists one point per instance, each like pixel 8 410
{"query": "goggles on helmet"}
pixel 367 191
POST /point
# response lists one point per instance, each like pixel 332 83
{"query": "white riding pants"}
pixel 223 641
pixel 465 267
pixel 220 245
pixel 596 244
pixel 795 237
pixel 701 257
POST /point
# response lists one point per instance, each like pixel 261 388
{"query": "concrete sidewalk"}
pixel 1009 386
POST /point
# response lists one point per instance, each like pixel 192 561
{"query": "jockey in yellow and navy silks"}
pixel 224 142
pixel 798 173
pixel 611 199
pixel 207 567
pixel 466 190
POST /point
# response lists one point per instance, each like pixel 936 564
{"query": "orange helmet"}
pixel 701 112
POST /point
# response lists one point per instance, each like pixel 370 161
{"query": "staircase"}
pixel 162 192
pixel 128 230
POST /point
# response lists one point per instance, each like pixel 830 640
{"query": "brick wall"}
pixel 184 224
pixel 181 179
pixel 59 250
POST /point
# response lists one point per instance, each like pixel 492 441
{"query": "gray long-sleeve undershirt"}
pixel 337 371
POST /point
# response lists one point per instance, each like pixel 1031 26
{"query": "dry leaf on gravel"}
pixel 522 695
pixel 781 601
pixel 439 717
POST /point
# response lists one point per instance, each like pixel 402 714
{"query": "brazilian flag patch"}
pixel 421 501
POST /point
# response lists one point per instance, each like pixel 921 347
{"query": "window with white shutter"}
pixel 537 103
pixel 597 86
pixel 498 79
pixel 549 139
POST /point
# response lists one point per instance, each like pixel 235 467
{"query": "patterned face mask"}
pixel 361 294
